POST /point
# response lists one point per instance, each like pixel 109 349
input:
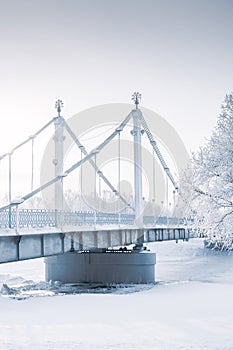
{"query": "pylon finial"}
pixel 59 105
pixel 136 97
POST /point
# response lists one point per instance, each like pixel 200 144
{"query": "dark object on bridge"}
pixel 123 249
pixel 139 247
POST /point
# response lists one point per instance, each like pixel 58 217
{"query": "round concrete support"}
pixel 107 267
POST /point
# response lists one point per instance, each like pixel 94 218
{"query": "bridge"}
pixel 57 232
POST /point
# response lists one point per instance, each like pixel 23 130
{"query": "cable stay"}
pixel 94 165
pixel 32 163
pixel 74 166
pixel 28 139
pixel 90 157
pixel 44 127
pixel 156 149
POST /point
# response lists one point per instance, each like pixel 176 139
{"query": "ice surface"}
pixel 190 308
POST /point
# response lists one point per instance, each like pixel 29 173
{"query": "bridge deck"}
pixel 36 245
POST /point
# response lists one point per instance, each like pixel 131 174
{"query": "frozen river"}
pixel 190 307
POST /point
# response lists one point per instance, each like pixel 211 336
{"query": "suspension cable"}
pixel 153 176
pixel 81 180
pixel 87 157
pixel 166 196
pixel 156 149
pixel 119 175
pixel 32 170
pixel 9 177
pixel 84 151
pixel 119 162
pixel 9 187
pixel 100 189
pixel 95 206
pixel 29 138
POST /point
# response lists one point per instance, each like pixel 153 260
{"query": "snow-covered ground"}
pixel 191 306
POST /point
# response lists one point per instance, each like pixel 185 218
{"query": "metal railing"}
pixel 39 218
pixel 51 218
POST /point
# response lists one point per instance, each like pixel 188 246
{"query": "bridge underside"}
pixel 29 246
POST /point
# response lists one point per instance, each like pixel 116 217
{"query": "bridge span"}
pixel 44 243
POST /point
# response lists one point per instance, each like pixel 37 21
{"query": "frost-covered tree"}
pixel 209 184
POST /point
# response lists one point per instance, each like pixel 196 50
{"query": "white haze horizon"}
pixel 176 53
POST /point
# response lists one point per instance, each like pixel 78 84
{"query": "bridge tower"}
pixel 58 160
pixel 137 135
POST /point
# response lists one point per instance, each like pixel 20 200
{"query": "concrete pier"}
pixel 102 267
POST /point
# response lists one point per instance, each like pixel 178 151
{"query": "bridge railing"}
pixel 51 218
pixel 39 218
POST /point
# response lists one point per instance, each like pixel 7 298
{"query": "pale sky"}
pixel 177 53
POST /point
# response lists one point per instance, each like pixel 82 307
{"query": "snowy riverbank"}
pixel 191 307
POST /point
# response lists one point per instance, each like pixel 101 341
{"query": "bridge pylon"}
pixel 58 161
pixel 137 135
